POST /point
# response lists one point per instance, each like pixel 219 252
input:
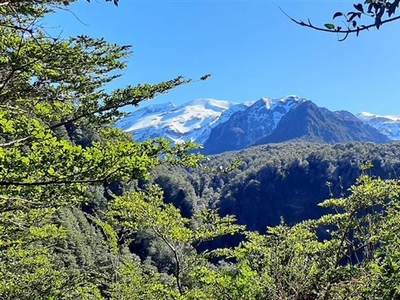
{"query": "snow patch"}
pixel 190 121
pixel 388 125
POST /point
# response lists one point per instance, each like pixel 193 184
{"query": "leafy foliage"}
pixel 140 210
pixel 294 263
pixel 273 181
pixel 77 196
pixel 47 85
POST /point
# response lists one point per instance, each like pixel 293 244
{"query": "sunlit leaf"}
pixel 330 26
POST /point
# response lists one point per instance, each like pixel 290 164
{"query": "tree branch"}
pixel 135 99
pixel 51 182
pixel 154 91
pixel 346 32
pixel 177 261
pixel 11 143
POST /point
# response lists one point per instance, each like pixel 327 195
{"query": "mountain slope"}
pixel 309 122
pixel 388 125
pixel 225 126
pixel 190 121
pixel 244 128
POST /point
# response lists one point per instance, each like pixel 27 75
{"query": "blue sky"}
pixel 251 49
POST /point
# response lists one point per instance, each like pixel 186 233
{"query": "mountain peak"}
pixel 190 121
pixel 309 122
pixel 224 125
pixel 289 100
pixel 246 127
pixel 368 116
pixel 388 125
pixel 209 103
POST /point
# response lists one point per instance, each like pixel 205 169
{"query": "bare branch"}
pixel 176 257
pixel 51 182
pixel 346 32
pixel 12 143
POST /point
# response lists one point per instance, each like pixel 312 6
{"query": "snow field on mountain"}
pixel 194 120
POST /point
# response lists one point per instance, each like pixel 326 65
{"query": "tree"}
pixel 378 11
pixel 146 210
pixel 50 88
pixel 352 253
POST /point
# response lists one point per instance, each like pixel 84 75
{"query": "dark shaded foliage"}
pixel 277 181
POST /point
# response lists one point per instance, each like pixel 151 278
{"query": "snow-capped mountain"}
pixel 245 127
pixel 224 126
pixel 190 121
pixel 388 125
pixel 309 122
pixel 287 119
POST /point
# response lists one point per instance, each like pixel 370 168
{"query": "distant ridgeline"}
pixel 226 126
pixel 285 180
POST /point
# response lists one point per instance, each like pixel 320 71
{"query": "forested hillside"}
pixel 277 180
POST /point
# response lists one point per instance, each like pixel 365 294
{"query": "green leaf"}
pixel 330 26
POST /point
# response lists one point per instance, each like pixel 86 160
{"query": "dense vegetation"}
pixel 88 213
pixel 277 180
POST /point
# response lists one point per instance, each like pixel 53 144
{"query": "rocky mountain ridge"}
pixel 388 125
pixel 224 126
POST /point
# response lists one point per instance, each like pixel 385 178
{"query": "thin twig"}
pixel 346 32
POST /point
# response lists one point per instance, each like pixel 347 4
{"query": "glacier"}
pixel 190 121
pixel 388 125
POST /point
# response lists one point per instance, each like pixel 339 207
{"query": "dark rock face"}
pixel 245 127
pixel 288 121
pixel 309 122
